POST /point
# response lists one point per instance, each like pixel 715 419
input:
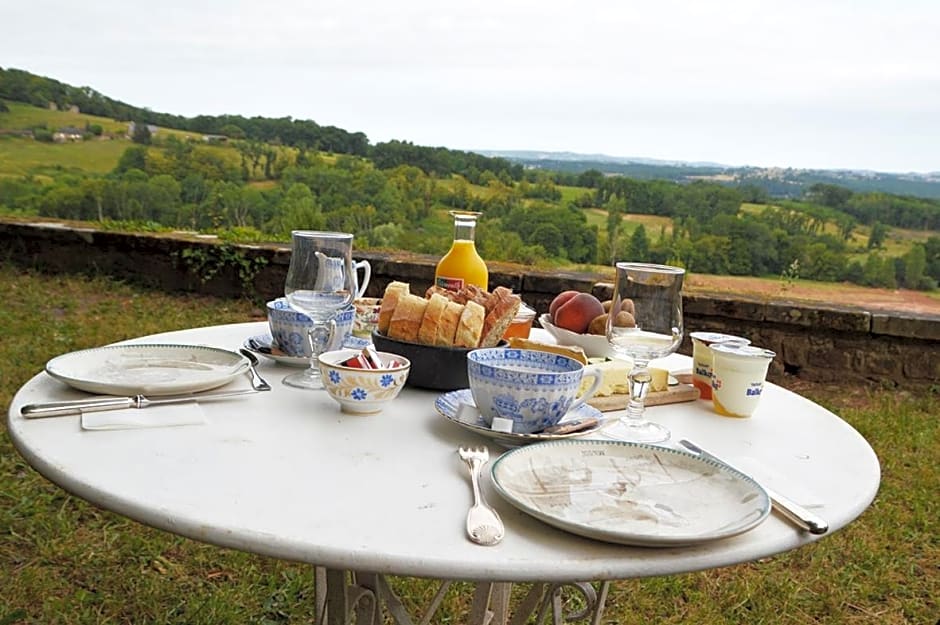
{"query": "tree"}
pixel 614 218
pixel 549 236
pixel 134 157
pixel 915 265
pixel 829 195
pixel 141 134
pixel 879 232
pixel 639 246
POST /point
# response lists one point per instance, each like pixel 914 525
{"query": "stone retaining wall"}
pixel 816 342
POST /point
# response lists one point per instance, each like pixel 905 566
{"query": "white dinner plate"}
pixel 630 493
pixel 448 405
pixel 263 345
pixel 147 369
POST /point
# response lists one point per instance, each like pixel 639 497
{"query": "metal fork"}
pixel 257 382
pixel 484 526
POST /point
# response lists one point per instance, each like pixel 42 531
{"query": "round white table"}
pixel 287 475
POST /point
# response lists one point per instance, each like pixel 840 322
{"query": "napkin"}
pixel 170 415
pixel 773 479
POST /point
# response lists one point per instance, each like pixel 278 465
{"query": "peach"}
pixel 560 299
pixel 577 312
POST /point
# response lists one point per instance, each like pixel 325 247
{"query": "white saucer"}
pixel 263 345
pixel 448 405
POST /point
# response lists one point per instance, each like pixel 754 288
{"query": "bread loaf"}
pixel 470 325
pixel 407 317
pixel 431 322
pixel 447 328
pixel 389 301
pixel 468 318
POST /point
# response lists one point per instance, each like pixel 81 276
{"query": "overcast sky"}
pixel 791 83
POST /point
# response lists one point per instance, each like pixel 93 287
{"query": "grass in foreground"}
pixel 63 561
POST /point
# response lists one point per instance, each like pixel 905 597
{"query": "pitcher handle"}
pixel 366 275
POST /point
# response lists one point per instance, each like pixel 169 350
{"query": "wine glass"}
pixel 655 291
pixel 320 281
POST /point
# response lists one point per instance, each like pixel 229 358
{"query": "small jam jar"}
pixel 521 324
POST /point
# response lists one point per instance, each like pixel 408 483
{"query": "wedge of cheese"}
pixel 571 351
pixel 614 378
pixel 660 381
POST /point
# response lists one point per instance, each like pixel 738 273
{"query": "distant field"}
pixel 652 223
pixel 897 243
pixel 21 157
pixel 570 194
pixel 24 116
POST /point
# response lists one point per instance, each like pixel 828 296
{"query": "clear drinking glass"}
pixel 657 301
pixel 321 280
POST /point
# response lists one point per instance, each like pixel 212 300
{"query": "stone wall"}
pixel 815 342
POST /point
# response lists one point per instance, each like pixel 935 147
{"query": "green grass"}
pixel 24 116
pixel 63 561
pixel 21 157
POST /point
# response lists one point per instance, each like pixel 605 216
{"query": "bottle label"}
pixel 451 284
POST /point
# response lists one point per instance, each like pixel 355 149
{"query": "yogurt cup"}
pixel 702 358
pixel 738 375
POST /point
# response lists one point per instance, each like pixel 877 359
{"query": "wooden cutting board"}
pixel 672 395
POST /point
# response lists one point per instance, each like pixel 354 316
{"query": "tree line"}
pixel 180 185
pixel 396 195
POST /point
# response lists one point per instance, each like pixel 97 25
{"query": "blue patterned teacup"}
pixel 289 328
pixel 533 389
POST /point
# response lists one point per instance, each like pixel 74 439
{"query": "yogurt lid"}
pixel 743 351
pixel 716 337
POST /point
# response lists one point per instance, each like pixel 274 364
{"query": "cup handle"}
pixel 586 395
pixel 366 275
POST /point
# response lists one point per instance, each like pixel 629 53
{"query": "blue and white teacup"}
pixel 533 389
pixel 289 328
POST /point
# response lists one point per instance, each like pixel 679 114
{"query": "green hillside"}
pixel 258 179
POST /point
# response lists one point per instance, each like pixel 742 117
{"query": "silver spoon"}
pixel 257 382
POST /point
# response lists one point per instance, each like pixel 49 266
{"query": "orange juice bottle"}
pixel 462 265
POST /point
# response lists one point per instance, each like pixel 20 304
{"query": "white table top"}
pixel 286 474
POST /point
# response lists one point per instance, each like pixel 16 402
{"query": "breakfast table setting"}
pixel 365 461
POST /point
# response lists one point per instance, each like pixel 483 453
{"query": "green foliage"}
pixel 141 134
pixel 208 261
pixel 396 194
pixel 879 232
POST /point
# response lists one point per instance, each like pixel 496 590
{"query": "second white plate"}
pixel 630 493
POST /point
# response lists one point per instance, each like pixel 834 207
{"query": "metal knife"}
pixel 107 402
pixel 794 512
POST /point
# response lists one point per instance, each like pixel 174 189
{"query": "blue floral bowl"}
pixel 532 389
pixel 289 328
pixel 362 391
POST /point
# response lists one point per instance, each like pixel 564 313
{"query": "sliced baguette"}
pixel 393 292
pixel 502 307
pixel 447 328
pixel 470 325
pixel 407 317
pixel 431 322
